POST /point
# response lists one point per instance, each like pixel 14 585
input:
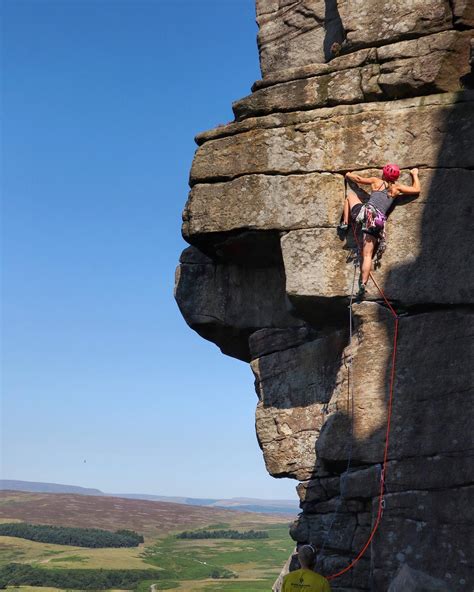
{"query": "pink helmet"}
pixel 391 172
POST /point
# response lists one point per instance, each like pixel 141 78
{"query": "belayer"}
pixel 372 215
pixel 305 579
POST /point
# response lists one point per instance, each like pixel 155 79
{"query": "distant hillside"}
pixel 239 504
pixel 150 518
pixel 289 507
pixel 34 486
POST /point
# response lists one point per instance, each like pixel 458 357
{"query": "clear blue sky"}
pixel 104 385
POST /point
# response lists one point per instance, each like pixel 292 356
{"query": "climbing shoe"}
pixel 342 230
pixel 361 293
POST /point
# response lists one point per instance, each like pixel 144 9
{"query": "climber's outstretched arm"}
pixel 415 188
pixel 364 180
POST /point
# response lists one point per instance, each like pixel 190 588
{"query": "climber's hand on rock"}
pixel 414 172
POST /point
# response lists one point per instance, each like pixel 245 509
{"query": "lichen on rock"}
pixel 349 85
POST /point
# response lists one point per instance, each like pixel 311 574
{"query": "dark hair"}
pixel 306 554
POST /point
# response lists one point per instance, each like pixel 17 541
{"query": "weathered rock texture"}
pixel 350 85
pixel 411 580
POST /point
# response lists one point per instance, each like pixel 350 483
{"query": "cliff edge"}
pixel 348 85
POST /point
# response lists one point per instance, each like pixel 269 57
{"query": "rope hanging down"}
pixel 350 405
pixel 383 474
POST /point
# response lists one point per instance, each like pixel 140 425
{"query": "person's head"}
pixel 306 556
pixel 391 172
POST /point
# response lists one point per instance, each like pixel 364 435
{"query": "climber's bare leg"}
pixel 367 254
pixel 351 200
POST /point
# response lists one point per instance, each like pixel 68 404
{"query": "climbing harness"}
pixel 373 223
pixel 381 503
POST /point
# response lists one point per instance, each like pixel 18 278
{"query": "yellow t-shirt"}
pixel 305 580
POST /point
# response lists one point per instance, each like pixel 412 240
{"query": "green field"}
pixel 210 565
pixel 15 550
pixel 187 565
pixel 45 589
pixel 191 560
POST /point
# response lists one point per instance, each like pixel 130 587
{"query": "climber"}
pixel 373 214
pixel 305 578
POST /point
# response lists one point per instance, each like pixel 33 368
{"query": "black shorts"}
pixel 355 210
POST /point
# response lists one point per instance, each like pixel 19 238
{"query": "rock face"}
pixel 349 85
pixel 411 580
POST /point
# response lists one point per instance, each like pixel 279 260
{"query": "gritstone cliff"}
pixel 350 85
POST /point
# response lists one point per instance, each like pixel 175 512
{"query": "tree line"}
pixel 222 534
pixel 78 537
pixel 19 574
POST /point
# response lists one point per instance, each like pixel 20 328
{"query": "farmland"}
pixel 209 565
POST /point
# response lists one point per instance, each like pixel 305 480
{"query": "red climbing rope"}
pixel 381 504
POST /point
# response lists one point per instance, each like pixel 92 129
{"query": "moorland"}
pixel 162 562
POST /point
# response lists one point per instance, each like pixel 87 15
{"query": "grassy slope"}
pixel 46 589
pixel 248 559
pixel 255 562
pixel 17 550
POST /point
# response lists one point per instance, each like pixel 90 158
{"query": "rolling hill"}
pixel 151 518
pixel 289 507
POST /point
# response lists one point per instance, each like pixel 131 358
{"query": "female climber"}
pixel 372 215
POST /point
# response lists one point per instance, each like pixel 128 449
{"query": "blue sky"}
pixel 104 385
